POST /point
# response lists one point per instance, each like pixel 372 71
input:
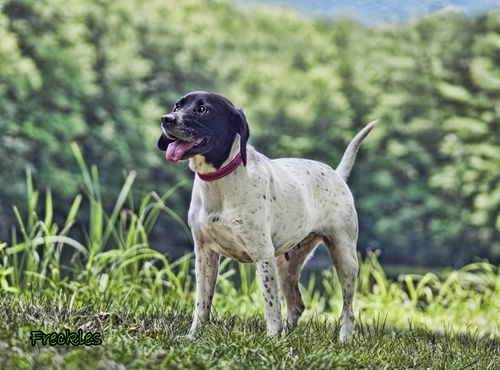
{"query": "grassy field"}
pixel 149 339
pixel 141 303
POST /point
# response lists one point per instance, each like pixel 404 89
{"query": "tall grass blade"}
pixel 43 240
pixel 75 206
pixel 87 180
pixel 118 205
pixel 48 209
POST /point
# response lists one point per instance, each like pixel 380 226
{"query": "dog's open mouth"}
pixel 176 149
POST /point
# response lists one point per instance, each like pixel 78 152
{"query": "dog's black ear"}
pixel 163 142
pixel 241 127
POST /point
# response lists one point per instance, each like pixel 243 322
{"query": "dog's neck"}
pixel 198 164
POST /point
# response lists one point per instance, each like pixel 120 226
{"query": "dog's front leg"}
pixel 206 267
pixel 266 269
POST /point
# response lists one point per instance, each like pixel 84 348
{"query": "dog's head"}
pixel 205 124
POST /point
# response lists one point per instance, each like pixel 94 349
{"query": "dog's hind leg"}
pixel 289 268
pixel 342 249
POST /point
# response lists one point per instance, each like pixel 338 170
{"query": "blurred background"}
pixel 308 74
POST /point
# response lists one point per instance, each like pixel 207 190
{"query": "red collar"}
pixel 224 171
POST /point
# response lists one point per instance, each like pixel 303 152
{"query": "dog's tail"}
pixel 345 165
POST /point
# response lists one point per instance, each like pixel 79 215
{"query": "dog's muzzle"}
pixel 168 120
pixel 182 138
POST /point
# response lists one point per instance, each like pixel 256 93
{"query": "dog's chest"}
pixel 222 235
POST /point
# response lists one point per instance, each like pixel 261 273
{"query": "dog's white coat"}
pixel 274 213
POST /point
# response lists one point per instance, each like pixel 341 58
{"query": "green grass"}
pixel 141 302
pixel 150 339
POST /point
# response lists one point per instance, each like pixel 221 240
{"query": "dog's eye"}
pixel 202 109
pixel 176 107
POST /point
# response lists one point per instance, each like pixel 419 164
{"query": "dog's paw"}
pixel 188 336
pixel 276 332
pixel 345 336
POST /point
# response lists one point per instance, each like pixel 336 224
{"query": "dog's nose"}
pixel 168 119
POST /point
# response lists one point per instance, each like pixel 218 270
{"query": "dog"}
pixel 271 212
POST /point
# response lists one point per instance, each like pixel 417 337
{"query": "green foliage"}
pixel 114 264
pixel 115 250
pixel 101 73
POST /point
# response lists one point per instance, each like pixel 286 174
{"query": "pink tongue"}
pixel 176 150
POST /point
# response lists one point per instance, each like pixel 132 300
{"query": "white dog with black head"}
pixel 271 212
